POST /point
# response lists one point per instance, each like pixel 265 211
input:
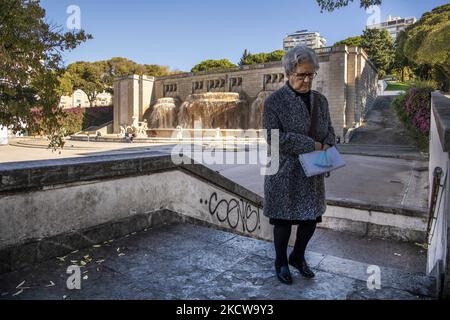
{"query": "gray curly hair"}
pixel 298 55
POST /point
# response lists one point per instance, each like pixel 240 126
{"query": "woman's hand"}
pixel 326 146
pixel 318 146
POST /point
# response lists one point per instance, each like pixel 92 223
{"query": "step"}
pixel 186 261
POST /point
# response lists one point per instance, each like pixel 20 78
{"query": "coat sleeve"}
pixel 330 139
pixel 290 142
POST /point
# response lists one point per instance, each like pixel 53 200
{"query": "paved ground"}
pixel 190 262
pixel 374 180
pixel 382 126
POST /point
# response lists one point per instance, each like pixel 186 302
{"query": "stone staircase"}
pixel 188 261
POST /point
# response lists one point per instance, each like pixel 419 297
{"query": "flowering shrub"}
pixel 415 104
pixel 414 109
pixel 417 107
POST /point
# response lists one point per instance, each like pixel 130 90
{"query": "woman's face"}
pixel 306 71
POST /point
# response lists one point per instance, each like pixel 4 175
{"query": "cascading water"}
pixel 256 110
pixel 164 114
pixel 214 110
pixel 225 110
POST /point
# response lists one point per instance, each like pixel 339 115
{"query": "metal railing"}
pixel 432 212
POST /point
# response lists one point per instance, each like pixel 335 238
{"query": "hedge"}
pixel 414 109
pixel 74 120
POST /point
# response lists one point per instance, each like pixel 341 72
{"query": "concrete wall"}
pixel 346 78
pixel 50 208
pixel 79 206
pixel 438 251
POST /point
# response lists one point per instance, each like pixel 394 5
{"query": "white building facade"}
pixel 394 25
pixel 310 39
pixel 80 99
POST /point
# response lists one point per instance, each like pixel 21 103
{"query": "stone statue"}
pixel 179 132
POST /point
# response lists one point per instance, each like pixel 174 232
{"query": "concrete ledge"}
pixel 356 204
pixel 373 230
pixel 440 106
pixel 36 175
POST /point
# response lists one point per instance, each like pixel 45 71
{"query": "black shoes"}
pixel 283 274
pixel 302 267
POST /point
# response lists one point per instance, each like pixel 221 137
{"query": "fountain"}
pixel 214 109
pixel 256 110
pixel 164 113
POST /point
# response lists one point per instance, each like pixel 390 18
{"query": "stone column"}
pixel 352 78
pixel 132 96
pixel 337 89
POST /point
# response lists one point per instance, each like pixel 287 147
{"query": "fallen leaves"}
pixel 422 245
pixel 20 284
pixel 17 293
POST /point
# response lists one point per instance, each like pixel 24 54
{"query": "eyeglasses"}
pixel 302 76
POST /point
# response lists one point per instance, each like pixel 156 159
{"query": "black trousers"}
pixel 281 234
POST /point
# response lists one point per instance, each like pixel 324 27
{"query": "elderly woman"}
pixel 290 197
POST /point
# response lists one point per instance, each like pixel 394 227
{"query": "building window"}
pixel 170 88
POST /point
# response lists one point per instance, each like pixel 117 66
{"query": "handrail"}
pixel 437 175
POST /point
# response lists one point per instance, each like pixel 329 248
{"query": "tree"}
pixel 330 5
pixel 155 70
pixel 428 40
pixel 250 59
pixel 118 67
pixel 380 48
pixel 276 55
pixel 87 76
pixel 244 57
pixel 351 42
pixel 208 65
pixel 31 67
pixel 401 63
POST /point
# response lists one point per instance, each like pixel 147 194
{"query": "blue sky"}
pixel 182 33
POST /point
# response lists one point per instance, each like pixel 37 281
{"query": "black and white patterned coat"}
pixel 290 194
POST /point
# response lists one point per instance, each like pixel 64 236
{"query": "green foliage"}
pixel 96 77
pixel 273 56
pixel 414 110
pixel 428 85
pixel 88 77
pixel 330 5
pixel 395 86
pixel 428 40
pixel 380 48
pixel 244 57
pixel 424 47
pixel 351 42
pixel 209 65
pixel 31 68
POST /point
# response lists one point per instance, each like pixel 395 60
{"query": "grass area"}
pixel 396 86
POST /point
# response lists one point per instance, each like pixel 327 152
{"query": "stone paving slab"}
pixel 184 261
